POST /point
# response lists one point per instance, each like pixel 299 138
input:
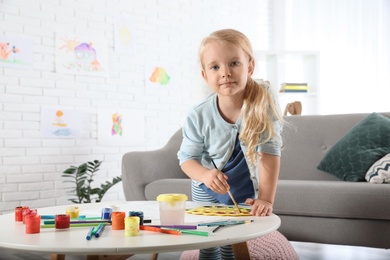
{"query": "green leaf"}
pixel 82 177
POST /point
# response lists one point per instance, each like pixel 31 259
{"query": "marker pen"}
pixel 100 230
pixel 89 235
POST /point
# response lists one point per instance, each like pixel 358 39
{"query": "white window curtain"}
pixel 353 38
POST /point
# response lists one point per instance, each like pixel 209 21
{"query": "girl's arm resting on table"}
pixel 269 169
pixel 214 179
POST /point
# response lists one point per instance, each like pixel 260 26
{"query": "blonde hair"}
pixel 259 110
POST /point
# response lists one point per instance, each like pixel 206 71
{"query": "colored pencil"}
pixel 215 223
pixel 190 232
pixel 231 224
pixel 175 226
pixel 53 217
pixel 79 221
pixel 225 223
pixel 71 225
pixel 156 229
pixel 81 217
pixel 215 229
pixel 195 232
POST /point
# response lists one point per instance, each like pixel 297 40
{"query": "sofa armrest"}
pixel 139 168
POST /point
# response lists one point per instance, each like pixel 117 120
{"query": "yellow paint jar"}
pixel 72 211
pixel 131 226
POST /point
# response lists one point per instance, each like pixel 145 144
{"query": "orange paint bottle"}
pixel 118 220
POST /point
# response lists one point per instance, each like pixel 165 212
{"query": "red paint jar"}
pixel 29 212
pixel 33 224
pixel 62 221
pixel 19 213
pixel 118 220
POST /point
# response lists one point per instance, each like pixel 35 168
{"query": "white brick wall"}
pixel 168 30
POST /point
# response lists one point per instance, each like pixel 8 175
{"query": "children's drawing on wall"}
pixel 116 128
pixel 81 55
pixel 121 127
pixel 61 122
pixel 125 34
pixel 157 75
pixel 16 52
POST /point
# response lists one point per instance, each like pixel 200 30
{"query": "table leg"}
pixel 241 251
pixel 153 256
pixel 57 257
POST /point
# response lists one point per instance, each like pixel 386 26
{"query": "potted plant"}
pixel 82 177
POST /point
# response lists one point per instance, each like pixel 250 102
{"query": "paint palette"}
pixel 229 211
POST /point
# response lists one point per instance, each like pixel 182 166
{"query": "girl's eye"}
pixel 235 63
pixel 215 67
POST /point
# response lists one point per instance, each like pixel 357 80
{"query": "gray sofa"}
pixel 314 206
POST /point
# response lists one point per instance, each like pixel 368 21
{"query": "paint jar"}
pixel 106 213
pixel 118 220
pixel 33 224
pixel 131 226
pixel 172 208
pixel 115 208
pixel 62 221
pixel 72 211
pixel 19 213
pixel 139 214
pixel 28 212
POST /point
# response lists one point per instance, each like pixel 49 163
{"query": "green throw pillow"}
pixel 351 157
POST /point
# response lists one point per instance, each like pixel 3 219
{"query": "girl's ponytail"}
pixel 259 116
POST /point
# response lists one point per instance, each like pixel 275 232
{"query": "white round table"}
pixel 114 242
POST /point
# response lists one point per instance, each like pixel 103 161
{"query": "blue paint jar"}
pixel 106 213
pixel 139 214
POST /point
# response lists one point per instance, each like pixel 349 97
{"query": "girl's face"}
pixel 226 68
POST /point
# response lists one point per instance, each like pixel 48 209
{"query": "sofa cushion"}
pixel 155 188
pixel 333 199
pixel 379 172
pixel 351 157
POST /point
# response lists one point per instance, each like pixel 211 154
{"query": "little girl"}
pixel 236 128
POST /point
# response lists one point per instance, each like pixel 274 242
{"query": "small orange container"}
pixel 33 224
pixel 28 212
pixel 19 213
pixel 118 220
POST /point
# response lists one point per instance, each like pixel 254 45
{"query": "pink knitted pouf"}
pixel 272 246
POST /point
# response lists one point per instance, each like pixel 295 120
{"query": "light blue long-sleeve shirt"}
pixel 207 136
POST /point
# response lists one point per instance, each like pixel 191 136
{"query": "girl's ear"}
pixel 251 67
pixel 204 75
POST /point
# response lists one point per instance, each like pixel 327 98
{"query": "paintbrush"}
pixel 230 194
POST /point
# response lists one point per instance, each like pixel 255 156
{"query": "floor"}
pixel 306 251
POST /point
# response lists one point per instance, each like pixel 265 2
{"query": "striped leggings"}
pixel 214 253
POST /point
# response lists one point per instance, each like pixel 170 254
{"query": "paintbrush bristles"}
pixel 234 201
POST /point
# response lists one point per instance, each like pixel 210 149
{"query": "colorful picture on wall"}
pixel 157 75
pixel 16 52
pixel 81 55
pixel 61 122
pixel 125 34
pixel 121 127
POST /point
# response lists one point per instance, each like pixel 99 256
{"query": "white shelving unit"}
pixel 278 67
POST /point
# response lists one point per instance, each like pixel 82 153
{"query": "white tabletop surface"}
pixel 114 242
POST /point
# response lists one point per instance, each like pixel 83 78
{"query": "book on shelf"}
pixel 294 87
pixel 293 91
